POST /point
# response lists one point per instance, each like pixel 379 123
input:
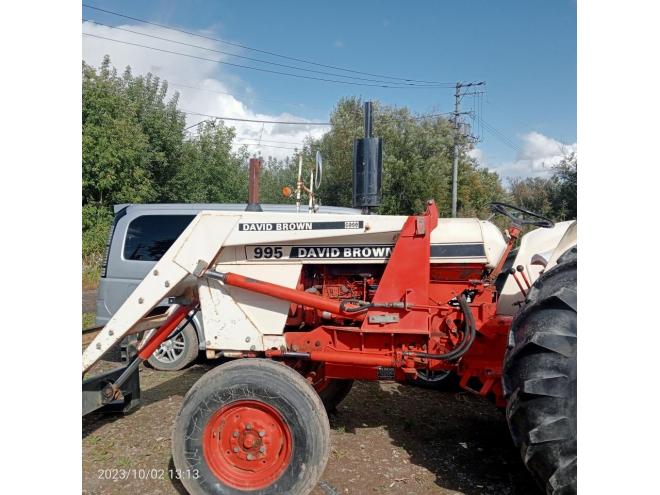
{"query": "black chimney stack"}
pixel 367 166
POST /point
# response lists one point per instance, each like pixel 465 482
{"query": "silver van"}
pixel 140 235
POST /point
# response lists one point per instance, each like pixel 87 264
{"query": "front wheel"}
pixel 251 426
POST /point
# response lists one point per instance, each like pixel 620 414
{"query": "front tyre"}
pixel 251 426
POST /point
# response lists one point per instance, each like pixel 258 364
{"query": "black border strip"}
pixel 475 250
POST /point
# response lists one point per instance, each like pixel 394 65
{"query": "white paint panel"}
pixel 266 313
pixel 226 326
pixel 494 243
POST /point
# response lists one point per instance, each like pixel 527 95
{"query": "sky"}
pixel 525 51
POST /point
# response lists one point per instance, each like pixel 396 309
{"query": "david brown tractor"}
pixel 305 303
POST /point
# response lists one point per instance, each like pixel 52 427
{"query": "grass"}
pixel 88 320
pixel 91 272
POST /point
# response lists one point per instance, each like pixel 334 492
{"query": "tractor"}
pixel 300 305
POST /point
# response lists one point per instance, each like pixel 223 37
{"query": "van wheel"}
pixel 251 426
pixel 177 353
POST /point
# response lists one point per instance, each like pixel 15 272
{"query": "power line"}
pixel 245 138
pixel 258 121
pixel 268 146
pixel 187 86
pixel 334 74
pixel 255 120
pixel 260 69
pixel 266 52
pixel 246 96
pixel 501 136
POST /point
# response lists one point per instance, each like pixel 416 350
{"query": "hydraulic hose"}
pixel 358 305
pixel 465 344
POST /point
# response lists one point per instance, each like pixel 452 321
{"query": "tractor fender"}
pixel 568 241
pixel 538 246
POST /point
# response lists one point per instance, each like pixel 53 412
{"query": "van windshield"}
pixel 149 236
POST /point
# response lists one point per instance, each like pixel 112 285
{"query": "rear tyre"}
pixel 540 378
pixel 177 353
pixel 332 391
pixel 251 426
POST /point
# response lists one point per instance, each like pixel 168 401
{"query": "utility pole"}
pixel 458 95
pixel 454 174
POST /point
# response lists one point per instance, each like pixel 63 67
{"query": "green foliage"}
pixel 96 222
pixel 554 197
pixel 134 150
pixel 114 149
pixel 210 172
pixel 417 162
pixel 88 320
pixel 276 174
pixel 564 180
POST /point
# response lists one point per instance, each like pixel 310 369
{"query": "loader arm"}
pixel 174 275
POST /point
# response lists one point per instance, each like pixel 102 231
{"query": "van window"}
pixel 148 237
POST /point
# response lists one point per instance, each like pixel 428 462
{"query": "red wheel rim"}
pixel 247 444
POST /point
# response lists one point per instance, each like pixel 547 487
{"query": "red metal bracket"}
pixel 406 278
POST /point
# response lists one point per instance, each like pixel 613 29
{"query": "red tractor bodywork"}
pixel 385 322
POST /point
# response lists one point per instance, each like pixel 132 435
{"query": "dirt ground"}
pixel 386 439
pixel 89 300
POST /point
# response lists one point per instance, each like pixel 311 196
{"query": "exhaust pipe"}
pixel 254 171
pixel 367 166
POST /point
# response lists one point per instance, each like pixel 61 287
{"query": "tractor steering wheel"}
pixel 537 220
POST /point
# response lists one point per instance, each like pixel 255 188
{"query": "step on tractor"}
pixel 300 305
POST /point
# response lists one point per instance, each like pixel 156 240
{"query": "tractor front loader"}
pixel 305 303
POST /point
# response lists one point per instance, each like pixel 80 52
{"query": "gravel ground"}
pixel 386 439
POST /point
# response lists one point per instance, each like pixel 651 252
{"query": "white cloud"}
pixel 338 44
pixel 184 71
pixel 538 154
pixel 478 155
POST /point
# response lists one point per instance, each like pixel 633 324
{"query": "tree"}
pixel 565 185
pixel 417 161
pixel 162 125
pixel 132 137
pixel 114 151
pixel 555 196
pixel 210 172
pixel 135 150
